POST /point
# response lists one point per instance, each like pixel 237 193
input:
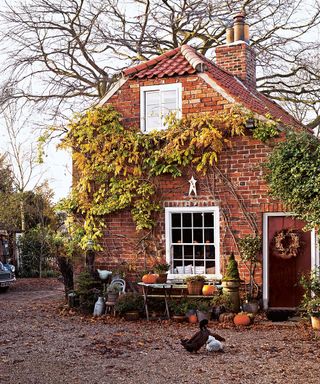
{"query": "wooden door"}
pixel 284 273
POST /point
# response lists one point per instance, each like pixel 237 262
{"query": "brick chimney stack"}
pixel 237 57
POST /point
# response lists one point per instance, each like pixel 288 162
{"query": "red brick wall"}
pixel 239 165
pixel 239 59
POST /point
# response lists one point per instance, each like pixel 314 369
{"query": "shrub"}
pixel 129 302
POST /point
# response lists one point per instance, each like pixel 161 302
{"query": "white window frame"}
pixel 168 233
pixel 160 88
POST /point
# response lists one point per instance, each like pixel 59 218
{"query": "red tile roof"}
pixel 185 60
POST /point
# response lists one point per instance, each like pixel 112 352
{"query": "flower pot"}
pixel 315 322
pixel 251 307
pixel 162 278
pixel 132 315
pixel 195 287
pixel 231 288
pixel 217 311
pixel 112 297
pixel 203 315
pixel 178 318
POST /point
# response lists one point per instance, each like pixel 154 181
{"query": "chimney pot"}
pixel 230 35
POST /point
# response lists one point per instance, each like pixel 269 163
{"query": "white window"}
pixel 158 101
pixel 192 241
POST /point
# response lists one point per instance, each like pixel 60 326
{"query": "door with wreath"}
pixel 289 252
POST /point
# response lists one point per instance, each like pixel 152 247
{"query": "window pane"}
pixel 153 123
pixel 197 219
pixel 176 220
pixel 187 236
pixel 176 236
pixel 198 250
pixel 177 252
pixel 169 100
pixel 209 250
pixel 197 236
pixel 186 219
pixel 208 220
pixel 208 235
pixel 153 120
pixel 152 98
pixel 188 252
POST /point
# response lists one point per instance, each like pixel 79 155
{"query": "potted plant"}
pixel 231 282
pixel 311 298
pixel 113 293
pixel 129 305
pixel 250 247
pixel 220 303
pixel 203 308
pixel 195 284
pixel 161 269
pixel 178 310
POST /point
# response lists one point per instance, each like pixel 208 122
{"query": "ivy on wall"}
pixel 293 175
pixel 115 167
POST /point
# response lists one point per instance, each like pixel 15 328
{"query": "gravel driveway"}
pixel 40 344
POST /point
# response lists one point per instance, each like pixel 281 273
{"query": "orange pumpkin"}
pixel 150 278
pixel 242 319
pixel 193 318
pixel 208 290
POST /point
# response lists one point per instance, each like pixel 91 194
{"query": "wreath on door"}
pixel 286 243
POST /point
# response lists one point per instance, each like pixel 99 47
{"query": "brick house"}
pixel 203 216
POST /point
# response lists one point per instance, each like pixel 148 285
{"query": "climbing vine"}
pixel 293 176
pixel 115 167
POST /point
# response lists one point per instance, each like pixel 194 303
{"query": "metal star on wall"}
pixel 192 188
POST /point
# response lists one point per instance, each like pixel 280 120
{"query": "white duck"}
pixel 214 345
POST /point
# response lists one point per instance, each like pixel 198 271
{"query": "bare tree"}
pixel 21 156
pixel 58 52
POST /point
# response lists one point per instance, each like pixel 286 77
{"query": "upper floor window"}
pixel 156 102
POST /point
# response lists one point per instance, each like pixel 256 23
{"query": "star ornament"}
pixel 193 188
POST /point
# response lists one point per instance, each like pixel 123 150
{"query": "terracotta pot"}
pixel 131 316
pixel 162 278
pixel 195 287
pixel 178 318
pixel 315 322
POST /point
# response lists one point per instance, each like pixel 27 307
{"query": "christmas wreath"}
pixel 286 243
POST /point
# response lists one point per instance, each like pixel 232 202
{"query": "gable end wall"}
pixel 240 165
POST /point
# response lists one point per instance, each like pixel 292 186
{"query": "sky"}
pixel 57 163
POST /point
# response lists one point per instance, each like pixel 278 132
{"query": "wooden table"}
pixel 166 288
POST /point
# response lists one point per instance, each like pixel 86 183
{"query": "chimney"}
pixel 236 56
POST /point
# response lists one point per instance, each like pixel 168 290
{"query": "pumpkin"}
pixel 193 318
pixel 150 278
pixel 242 319
pixel 226 317
pixel 208 290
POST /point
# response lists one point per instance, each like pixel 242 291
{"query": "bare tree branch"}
pixel 55 52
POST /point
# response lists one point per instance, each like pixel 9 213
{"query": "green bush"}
pixel 36 252
pixel 129 302
pixel 88 290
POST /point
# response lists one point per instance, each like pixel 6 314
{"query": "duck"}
pixel 214 345
pixel 200 338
